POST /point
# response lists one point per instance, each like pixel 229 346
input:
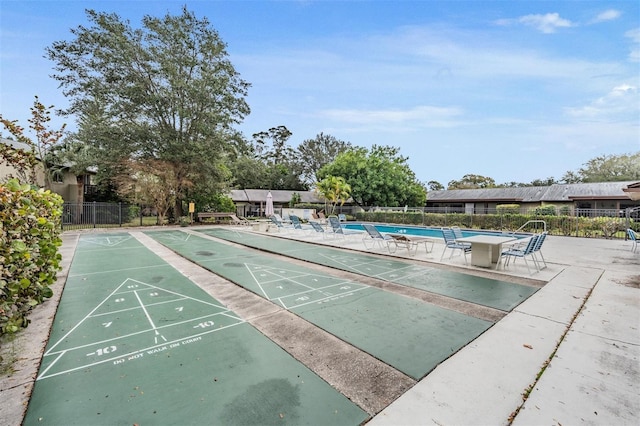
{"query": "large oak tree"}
pixel 162 93
pixel 377 177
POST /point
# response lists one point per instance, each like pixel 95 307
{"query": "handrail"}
pixel 532 221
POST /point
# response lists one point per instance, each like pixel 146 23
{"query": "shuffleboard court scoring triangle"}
pixel 107 240
pixel 293 288
pixel 171 236
pixel 134 318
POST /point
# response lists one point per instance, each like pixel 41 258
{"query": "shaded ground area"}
pixel 483 291
pixel 408 334
pixel 135 342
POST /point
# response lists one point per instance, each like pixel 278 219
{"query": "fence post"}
pixel 140 205
pixel 120 215
pixel 93 213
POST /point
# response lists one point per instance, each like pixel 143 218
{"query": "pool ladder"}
pixel 544 226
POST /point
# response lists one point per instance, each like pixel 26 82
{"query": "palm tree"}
pixel 334 189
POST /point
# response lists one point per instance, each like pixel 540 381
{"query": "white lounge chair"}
pixel 373 236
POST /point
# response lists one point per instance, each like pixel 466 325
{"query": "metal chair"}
pixel 523 253
pixel 451 243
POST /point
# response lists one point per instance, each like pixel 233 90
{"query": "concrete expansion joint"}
pixel 250 319
pixel 528 314
pixel 547 363
pixel 614 342
pixel 26 384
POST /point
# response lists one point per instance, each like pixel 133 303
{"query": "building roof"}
pixel 533 194
pixel 279 196
pixel 16 144
pixel 633 191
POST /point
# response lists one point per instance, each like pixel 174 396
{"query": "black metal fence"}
pixel 597 223
pixel 105 215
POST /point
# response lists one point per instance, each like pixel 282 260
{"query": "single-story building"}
pixel 252 202
pixel 614 196
pixel 72 188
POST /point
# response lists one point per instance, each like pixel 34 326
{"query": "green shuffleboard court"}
pixel 408 334
pixel 136 342
pixel 479 290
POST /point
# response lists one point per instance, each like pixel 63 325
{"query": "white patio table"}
pixel 485 249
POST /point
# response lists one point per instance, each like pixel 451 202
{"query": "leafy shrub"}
pixel 219 203
pixel 508 208
pixel 133 212
pixel 548 210
pixel 30 226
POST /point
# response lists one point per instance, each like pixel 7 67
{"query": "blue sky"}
pixel 512 90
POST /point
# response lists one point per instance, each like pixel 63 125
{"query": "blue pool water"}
pixel 422 231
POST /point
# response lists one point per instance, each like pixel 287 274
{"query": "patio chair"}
pixel 342 217
pixel 537 250
pixel 235 220
pixel 453 245
pixel 522 253
pixel 297 224
pixel 279 224
pixel 634 239
pixel 279 218
pixel 373 236
pixel 337 228
pixel 318 228
pixel 295 221
pixel 457 232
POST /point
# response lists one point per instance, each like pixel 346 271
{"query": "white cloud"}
pixel 634 35
pixel 607 15
pixel 547 23
pixel 621 103
pixel 420 116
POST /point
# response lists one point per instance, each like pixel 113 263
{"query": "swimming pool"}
pixel 424 231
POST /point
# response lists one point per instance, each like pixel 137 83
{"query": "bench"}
pixel 218 216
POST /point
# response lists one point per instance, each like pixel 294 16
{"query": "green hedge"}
pixel 30 227
pixel 598 227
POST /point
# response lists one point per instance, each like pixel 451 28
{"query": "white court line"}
pixel 98 240
pixel 338 259
pixel 171 236
pixel 83 319
pixel 282 277
pixel 114 292
pixel 320 289
pixel 375 262
pixel 269 269
pixel 417 274
pixel 132 309
pixel 125 336
pixel 264 293
pixel 347 293
pixel 137 351
pixel 178 294
pixel 44 372
pixel 111 271
pixel 144 309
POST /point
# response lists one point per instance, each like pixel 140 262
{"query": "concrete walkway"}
pixel 569 354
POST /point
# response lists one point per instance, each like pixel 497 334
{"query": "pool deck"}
pixel 583 326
